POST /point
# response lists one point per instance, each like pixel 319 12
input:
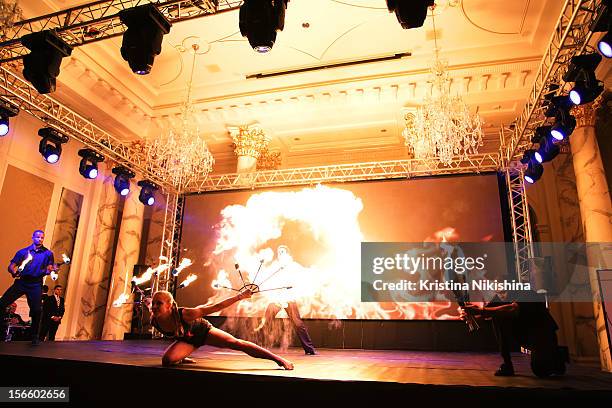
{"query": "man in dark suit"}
pixel 53 311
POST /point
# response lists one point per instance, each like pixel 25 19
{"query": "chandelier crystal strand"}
pixel 182 153
pixel 443 127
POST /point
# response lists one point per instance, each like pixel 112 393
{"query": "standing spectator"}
pixel 53 311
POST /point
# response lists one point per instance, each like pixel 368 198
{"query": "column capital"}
pixel 249 140
pixel 586 115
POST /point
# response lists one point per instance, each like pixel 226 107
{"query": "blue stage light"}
pixel 89 163
pixel 50 147
pixel 147 192
pixel 122 180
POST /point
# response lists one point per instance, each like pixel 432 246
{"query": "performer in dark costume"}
pixel 282 271
pixel 190 330
pixel 524 319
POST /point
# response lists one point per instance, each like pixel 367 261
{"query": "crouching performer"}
pixel 190 330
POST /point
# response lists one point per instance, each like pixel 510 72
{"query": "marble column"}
pixel 577 325
pixel 117 320
pixel 595 209
pixel 92 307
pixel 156 231
pixel 64 234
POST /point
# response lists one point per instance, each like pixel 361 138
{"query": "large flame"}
pixel 328 288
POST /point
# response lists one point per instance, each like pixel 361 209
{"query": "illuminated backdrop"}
pixel 319 230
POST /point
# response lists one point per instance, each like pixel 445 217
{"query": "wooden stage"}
pixel 113 368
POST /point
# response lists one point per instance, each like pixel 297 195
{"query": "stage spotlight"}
pixel 602 24
pixel 50 147
pixel 410 13
pixel 42 65
pixel 582 72
pixel 7 111
pixel 142 40
pixel 528 156
pixel 122 180
pixel 259 20
pixel 604 45
pixel 89 163
pixel 563 127
pixel 147 192
pixel 564 122
pixel 534 168
pixel 547 150
pixel 534 172
pixel 4 126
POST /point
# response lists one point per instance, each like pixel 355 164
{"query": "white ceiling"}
pixel 327 116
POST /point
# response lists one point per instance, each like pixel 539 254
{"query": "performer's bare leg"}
pixel 176 352
pixel 219 338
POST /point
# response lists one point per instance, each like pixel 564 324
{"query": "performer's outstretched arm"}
pixel 191 313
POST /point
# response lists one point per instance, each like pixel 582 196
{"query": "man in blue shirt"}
pixel 28 267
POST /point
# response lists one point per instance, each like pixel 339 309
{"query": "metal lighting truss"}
pixel 170 245
pixel 171 238
pixel 100 20
pixel 21 94
pixel 521 223
pixel 345 172
pixel 570 37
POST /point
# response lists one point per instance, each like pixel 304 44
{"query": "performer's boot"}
pixel 505 370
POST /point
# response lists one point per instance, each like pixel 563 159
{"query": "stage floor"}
pixel 401 367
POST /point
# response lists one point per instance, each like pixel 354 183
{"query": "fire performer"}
pixel 285 268
pixel 527 322
pixel 28 267
pixel 191 331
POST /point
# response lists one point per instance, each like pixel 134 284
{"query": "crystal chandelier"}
pixel 181 155
pixel 443 127
pixel 10 12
